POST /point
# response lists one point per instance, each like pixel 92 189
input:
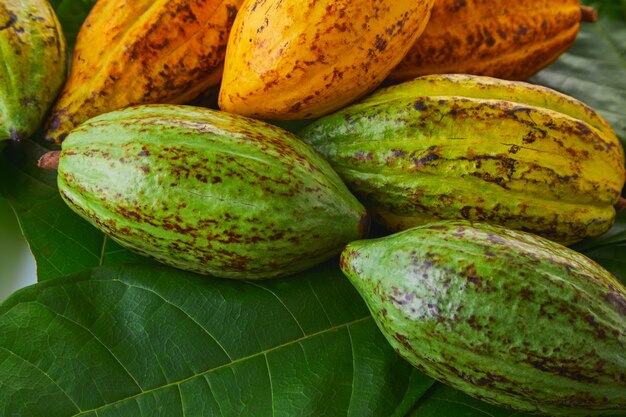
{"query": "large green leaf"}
pixel 147 341
pixel 612 258
pixel 442 401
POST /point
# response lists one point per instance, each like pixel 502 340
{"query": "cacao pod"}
pixel 34 65
pixel 304 59
pixel 477 148
pixel 207 191
pixel 505 316
pixel 143 51
pixel 500 38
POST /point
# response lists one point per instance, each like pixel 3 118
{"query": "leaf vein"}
pixel 45 373
pixel 236 361
pixel 348 414
pixel 281 301
pixel 184 312
pixel 96 338
pixel 320 303
pixel 102 250
pixel 269 376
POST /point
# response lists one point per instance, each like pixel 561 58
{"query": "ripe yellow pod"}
pixel 505 39
pixel 306 58
pixel 143 51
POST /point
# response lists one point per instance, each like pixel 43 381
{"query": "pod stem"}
pixel 621 204
pixel 49 160
pixel 589 14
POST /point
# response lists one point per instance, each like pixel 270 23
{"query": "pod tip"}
pixel 49 160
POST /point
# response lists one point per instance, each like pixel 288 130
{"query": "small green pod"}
pixel 208 192
pixel 505 316
pixel 34 55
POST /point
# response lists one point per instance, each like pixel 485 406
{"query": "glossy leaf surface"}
pixel 158 342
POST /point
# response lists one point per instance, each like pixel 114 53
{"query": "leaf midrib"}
pixel 226 365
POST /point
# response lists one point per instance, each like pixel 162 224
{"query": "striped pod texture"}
pixel 477 148
pixel 208 191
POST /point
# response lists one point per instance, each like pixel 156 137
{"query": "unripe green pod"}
pixel 505 316
pixel 447 147
pixel 34 65
pixel 207 191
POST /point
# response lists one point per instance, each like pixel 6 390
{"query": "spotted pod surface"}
pixel 498 38
pixel 505 316
pixel 34 65
pixel 477 148
pixel 132 52
pixel 207 191
pixel 289 60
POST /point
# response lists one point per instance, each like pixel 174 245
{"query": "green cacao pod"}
pixel 477 148
pixel 505 316
pixel 207 191
pixel 34 58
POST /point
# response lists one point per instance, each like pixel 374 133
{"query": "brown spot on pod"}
pixel 12 19
pixel 403 340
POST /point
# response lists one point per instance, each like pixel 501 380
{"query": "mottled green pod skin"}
pixel 34 65
pixel 505 316
pixel 475 148
pixel 207 191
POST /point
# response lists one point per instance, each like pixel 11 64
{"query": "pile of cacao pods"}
pixel 484 179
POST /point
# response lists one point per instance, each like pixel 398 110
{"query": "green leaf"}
pixel 441 400
pixel 141 341
pixel 612 258
pixel 61 242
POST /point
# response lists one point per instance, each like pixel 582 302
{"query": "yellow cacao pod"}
pixel 505 39
pixel 143 51
pixel 306 58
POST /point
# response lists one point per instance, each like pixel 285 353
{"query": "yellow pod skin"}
pixel 477 148
pixel 306 58
pixel 140 52
pixel 505 39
